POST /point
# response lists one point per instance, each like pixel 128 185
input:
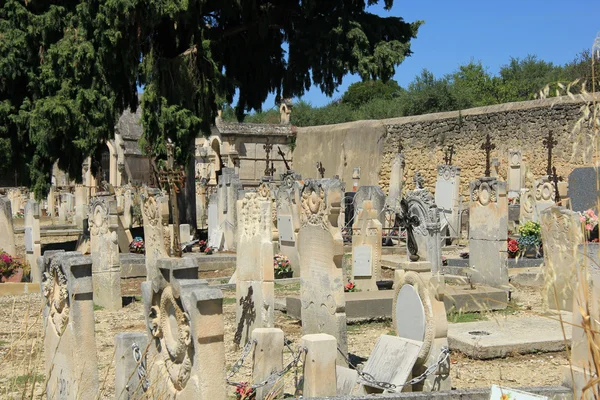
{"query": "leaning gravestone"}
pixel 419 314
pixel 254 267
pixel 447 198
pixel 33 247
pixel 155 214
pixel 366 249
pixel 104 249
pixel 69 338
pixel 184 316
pixel 321 251
pixel 288 218
pixel 488 232
pixel 377 197
pixel 7 235
pixel 582 189
pixel 561 235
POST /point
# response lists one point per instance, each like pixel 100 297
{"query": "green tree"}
pixel 522 79
pixel 472 86
pixel 360 93
pixel 426 94
pixel 68 68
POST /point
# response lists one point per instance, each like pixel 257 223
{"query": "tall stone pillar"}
pixel 33 247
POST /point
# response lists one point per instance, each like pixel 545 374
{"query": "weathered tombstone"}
pixel 155 214
pixel 377 197
pixel 447 199
pixel 514 179
pixel 268 358
pixel 288 218
pixel 366 249
pixel 254 267
pixel 561 234
pixel 228 194
pixel 69 338
pixel 495 168
pixel 185 324
pixel 104 250
pixel 51 202
pixel 81 206
pixel 426 231
pixel 7 234
pixel 395 188
pixel 33 247
pixel 321 251
pixel 419 314
pixel 185 233
pixel 130 357
pixel 214 233
pixel 544 197
pixel 527 197
pixel 201 205
pixel 582 189
pixel 319 367
pixel 488 232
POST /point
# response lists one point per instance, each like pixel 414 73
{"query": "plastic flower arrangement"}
pixel 350 287
pixel 202 245
pixel 8 265
pixel 244 391
pixel 530 234
pixel 513 248
pixel 208 250
pixel 589 219
pixel 281 264
pixel 137 246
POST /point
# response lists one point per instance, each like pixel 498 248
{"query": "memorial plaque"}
pixel 28 239
pixel 363 261
pixel 286 230
pixel 410 318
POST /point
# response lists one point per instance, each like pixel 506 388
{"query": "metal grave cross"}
pixel 488 147
pixel 269 170
pixel 400 147
pixel 173 180
pixel 280 152
pixel 448 154
pixel 321 169
pixel 549 143
pixel 555 179
pixel 409 222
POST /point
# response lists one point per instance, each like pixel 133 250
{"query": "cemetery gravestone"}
pixel 288 218
pixel 7 235
pixel 366 249
pixel 104 249
pixel 395 188
pixel 69 327
pixel 128 384
pixel 321 250
pixel 447 198
pixel 488 232
pixel 254 267
pixel 544 197
pixel 228 194
pixel 33 247
pixel 582 189
pixel 155 214
pixel 377 197
pixel 214 233
pixel 514 171
pixel 80 205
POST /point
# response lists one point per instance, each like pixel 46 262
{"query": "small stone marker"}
pixel 129 346
pixel 268 357
pixel 33 247
pixel 69 338
pixel 391 361
pixel 366 248
pixel 346 380
pixel 7 235
pixel 319 367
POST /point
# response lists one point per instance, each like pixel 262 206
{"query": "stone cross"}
pixel 549 143
pixel 321 169
pixel 400 147
pixel 448 153
pixel 173 180
pixel 409 222
pixel 488 147
pixel 555 180
pixel 287 166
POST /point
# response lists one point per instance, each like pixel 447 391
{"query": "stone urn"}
pixel 16 277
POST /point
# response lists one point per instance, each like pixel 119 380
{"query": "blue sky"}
pixel 488 31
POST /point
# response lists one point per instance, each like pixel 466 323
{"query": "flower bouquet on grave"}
pixel 530 240
pixel 208 250
pixel 282 266
pixel 137 246
pixel 202 244
pixel 513 201
pixel 11 270
pixel 589 220
pixel 350 287
pixel 512 248
pixel 244 391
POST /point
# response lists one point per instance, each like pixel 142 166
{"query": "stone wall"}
pixel 521 125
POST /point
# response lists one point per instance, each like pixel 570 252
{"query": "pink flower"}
pixel 582 218
pixel 590 212
pixel 589 227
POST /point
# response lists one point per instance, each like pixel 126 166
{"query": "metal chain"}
pixel 275 376
pixel 141 367
pixel 444 355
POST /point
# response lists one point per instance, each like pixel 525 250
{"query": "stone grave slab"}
pixel 499 338
pixel 582 189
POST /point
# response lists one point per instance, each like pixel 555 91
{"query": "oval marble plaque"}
pixel 410 314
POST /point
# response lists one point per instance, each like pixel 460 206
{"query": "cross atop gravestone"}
pixel 400 147
pixel 280 152
pixel 269 170
pixel 321 169
pixel 555 179
pixel 409 222
pixel 488 147
pixel 448 154
pixel 419 180
pixel 549 143
pixel 172 179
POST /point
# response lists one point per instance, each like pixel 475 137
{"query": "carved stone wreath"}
pixel 98 219
pixel 483 193
pixel 544 191
pixel 314 205
pixel 169 324
pixel 56 293
pixel 446 171
pixel 264 191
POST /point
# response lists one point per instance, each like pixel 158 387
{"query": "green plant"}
pixel 530 228
pixel 97 307
pixel 8 265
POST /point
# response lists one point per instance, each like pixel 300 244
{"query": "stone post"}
pixel 81 206
pixel 127 382
pixel 7 233
pixel 254 267
pixel 514 177
pixel 69 337
pixel 104 249
pixel 268 357
pixel 366 248
pixel 395 188
pixel 51 202
pixel 319 367
pixel 488 232
pixel 33 247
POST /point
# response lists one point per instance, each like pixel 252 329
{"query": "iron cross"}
pixel 488 147
pixel 321 169
pixel 409 222
pixel 555 180
pixel 448 154
pixel 172 179
pixel 549 143
pixel 268 147
pixel 280 152
pixel 400 147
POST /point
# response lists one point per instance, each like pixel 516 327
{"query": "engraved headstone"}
pixel 155 214
pixel 288 217
pixel 447 198
pixel 514 171
pixel 366 248
pixel 33 247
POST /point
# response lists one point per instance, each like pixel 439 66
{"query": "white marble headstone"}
pixel 363 260
pixel 410 318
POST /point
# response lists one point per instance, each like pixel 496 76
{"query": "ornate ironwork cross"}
pixel 321 169
pixel 173 180
pixel 280 152
pixel 488 147
pixel 549 143
pixel 268 147
pixel 448 154
pixel 409 222
pixel 555 180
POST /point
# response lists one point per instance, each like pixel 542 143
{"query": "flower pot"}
pixel 282 275
pixel 16 277
pixel 531 251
